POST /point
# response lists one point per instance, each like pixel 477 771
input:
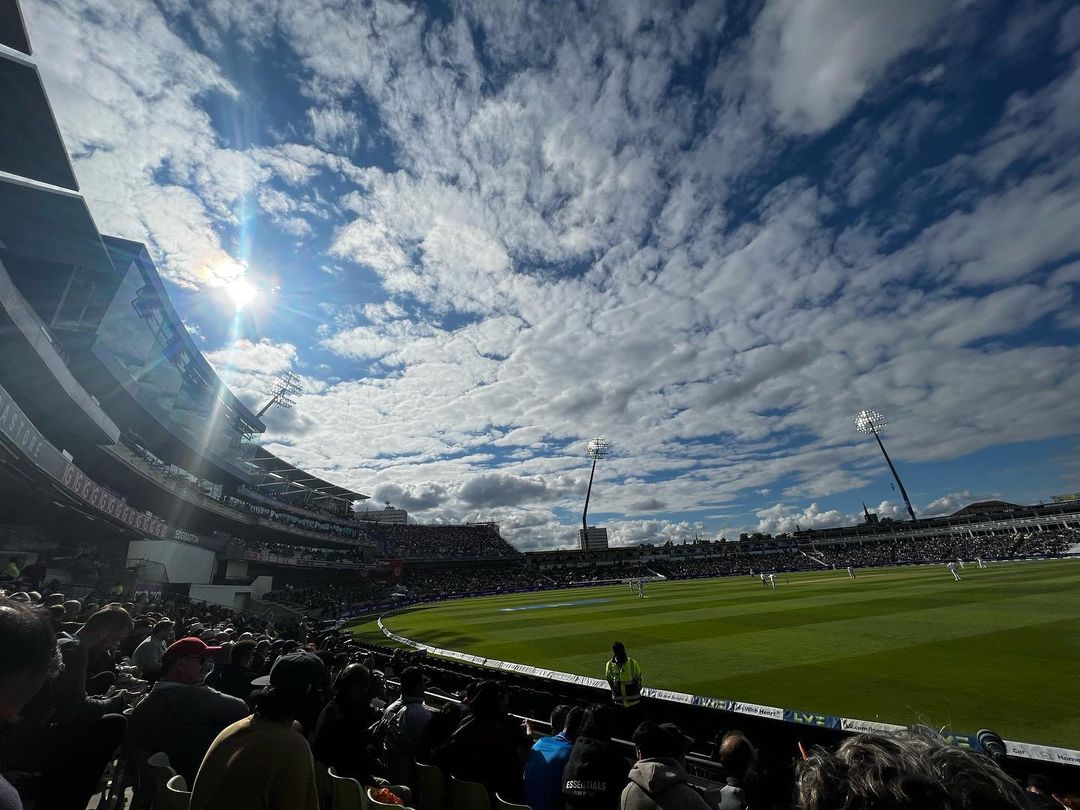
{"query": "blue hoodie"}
pixel 543 772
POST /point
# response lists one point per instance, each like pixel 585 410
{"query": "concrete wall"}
pixel 183 562
pixel 231 596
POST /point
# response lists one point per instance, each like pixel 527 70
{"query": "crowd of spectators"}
pixel 429 582
pixel 263 497
pixel 945 548
pixel 441 542
pixel 286 552
pixel 567 575
pixel 248 714
pixel 289 519
pixel 331 599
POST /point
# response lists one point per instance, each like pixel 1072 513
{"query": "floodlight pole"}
pixel 597 449
pixel 896 475
pixel 588 494
pixel 873 428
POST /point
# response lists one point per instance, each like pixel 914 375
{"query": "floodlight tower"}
pixel 286 387
pixel 597 449
pixel 872 423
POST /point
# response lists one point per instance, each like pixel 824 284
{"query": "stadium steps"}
pixel 280 610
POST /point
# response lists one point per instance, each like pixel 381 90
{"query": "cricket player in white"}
pixel 960 561
pixel 772 581
pixel 641 589
pixel 764 584
pixel 980 562
pixel 952 568
pixel 851 572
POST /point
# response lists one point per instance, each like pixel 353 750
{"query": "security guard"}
pixel 624 677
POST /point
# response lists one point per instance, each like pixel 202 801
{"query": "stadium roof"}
pixel 30 142
pixel 982 507
pixel 284 478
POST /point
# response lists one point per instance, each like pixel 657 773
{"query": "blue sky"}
pixel 484 232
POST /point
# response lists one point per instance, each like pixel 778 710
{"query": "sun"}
pixel 241 292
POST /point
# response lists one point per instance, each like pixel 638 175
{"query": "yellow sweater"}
pixel 257 764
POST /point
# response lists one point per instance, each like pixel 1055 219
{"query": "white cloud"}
pixel 819 57
pixel 577 243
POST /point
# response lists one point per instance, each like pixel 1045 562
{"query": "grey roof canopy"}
pixel 30 142
pixel 12 27
pixel 282 478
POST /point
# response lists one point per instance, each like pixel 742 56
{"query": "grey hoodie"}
pixel 660 784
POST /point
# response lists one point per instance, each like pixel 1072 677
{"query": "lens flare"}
pixel 241 292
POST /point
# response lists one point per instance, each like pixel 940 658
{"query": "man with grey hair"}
pixel 902 772
pixel 147 656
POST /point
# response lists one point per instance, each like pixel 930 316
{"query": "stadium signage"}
pixel 811 719
pixel 19 430
pixel 97 496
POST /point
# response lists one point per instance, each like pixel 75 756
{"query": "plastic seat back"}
pixel 177 795
pixel 430 787
pixel 468 795
pixel 159 772
pixel 503 804
pixel 348 794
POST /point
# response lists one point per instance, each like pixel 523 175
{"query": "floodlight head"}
pixel 598 448
pixel 870 422
pixel 288 386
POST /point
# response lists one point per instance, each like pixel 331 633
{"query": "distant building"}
pixel 596 538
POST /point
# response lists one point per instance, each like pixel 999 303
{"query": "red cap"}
pixel 187 647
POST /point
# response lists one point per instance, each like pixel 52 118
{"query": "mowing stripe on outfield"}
pixel 555 605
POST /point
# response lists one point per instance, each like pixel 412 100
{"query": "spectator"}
pixel 343 734
pixel 738 757
pixel 595 773
pixel 140 631
pixel 260 662
pixel 405 721
pixel 69 700
pixel 263 762
pixel 148 655
pixel 27 648
pixel 67 737
pixel 658 780
pixel 547 759
pixel 1042 792
pixel 908 770
pixel 237 674
pixel 485 746
pixel 182 716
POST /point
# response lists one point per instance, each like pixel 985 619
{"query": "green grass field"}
pixel 900 645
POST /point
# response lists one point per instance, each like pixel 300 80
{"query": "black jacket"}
pixel 595 776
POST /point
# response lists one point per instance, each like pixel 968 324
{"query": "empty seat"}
pixel 430 787
pixel 468 795
pixel 177 795
pixel 503 804
pixel 348 794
